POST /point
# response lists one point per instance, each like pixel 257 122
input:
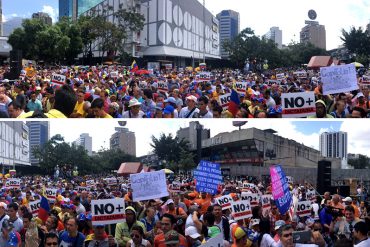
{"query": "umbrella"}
pixel 142 72
pixel 167 171
pixel 358 65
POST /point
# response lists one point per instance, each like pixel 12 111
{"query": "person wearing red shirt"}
pixel 168 222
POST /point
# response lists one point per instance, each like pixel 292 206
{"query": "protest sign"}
pixel 175 186
pixel 111 181
pixel 280 189
pixel 280 76
pixel 241 86
pixel 81 188
pixel 208 176
pixel 338 79
pixel 217 241
pixel 90 183
pixel 34 207
pixel 289 179
pixel 254 198
pixel 304 209
pixel 114 74
pixel 248 186
pixel 300 74
pixel 298 104
pixel 162 86
pixel 266 201
pixel 143 84
pixel 108 211
pixel 58 80
pixel 365 80
pixel 203 76
pixel 224 201
pixel 241 210
pixel 51 194
pixel 13 183
pixel 224 100
pixel 148 185
pixel 311 195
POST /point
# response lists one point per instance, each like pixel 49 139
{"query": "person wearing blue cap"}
pixel 168 111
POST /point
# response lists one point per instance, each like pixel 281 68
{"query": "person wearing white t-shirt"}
pixel 360 231
pixel 191 109
pixel 3 215
pixel 286 238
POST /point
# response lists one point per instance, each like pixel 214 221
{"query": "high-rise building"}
pixel 229 23
pixel 190 134
pixel 334 145
pixel 368 27
pixel 85 5
pixel 276 35
pixel 314 33
pixel 14 144
pixel 44 17
pixel 39 133
pixel 1 17
pixel 124 140
pixel 85 140
pixel 68 8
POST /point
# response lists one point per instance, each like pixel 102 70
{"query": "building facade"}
pixel 85 5
pixel 85 140
pixel 176 33
pixel 190 134
pixel 334 145
pixel 242 150
pixel 68 8
pixel 44 17
pixel 124 140
pixel 1 17
pixel 229 25
pixel 276 35
pixel 39 134
pixel 314 33
pixel 14 144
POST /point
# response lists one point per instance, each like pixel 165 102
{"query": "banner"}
pixel 298 104
pixel 108 211
pixel 208 176
pixel 58 80
pixel 338 79
pixel 224 201
pixel 148 185
pixel 34 207
pixel 254 198
pixel 51 194
pixel 13 183
pixel 304 209
pixel 224 100
pixel 241 210
pixel 280 189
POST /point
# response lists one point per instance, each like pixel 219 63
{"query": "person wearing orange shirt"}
pixel 204 202
pixel 348 201
pixel 336 202
pixel 167 224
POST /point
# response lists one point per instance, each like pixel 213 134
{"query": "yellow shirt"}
pixel 107 116
pixel 79 108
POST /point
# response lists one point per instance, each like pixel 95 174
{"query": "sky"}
pixel 302 131
pixel 261 15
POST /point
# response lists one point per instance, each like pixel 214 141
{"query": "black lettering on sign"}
pixel 49 192
pixel 240 207
pixel 34 207
pixel 302 207
pixel 238 85
pixel 106 209
pixel 225 100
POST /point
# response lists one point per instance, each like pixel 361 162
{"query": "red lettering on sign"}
pixel 109 217
pixel 298 111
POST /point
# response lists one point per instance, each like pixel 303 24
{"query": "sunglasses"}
pixel 53 243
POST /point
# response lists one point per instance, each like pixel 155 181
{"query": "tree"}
pixel 357 41
pixel 362 162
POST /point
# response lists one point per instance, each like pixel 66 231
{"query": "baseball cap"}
pixel 347 199
pixel 279 224
pixel 254 222
pixel 3 205
pixel 240 233
pixel 168 109
pixel 172 237
pixel 192 232
pixel 169 201
pixel 321 102
pixel 193 98
pixel 170 100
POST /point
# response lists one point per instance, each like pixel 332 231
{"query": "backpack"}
pixel 180 223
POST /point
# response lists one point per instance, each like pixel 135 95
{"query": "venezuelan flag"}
pixel 44 209
pixel 134 67
pixel 234 102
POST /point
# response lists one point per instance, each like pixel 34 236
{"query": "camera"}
pixel 335 212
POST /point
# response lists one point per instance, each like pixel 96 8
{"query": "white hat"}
pixel 3 205
pixel 360 95
pixel 134 102
pixel 169 201
pixel 254 222
pixel 347 199
pixel 192 232
pixel 193 98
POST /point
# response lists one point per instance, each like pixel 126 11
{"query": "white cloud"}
pixel 358 136
pixel 51 11
pixel 290 15
pixel 3 18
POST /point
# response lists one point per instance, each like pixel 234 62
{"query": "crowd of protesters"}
pixel 186 218
pixel 117 92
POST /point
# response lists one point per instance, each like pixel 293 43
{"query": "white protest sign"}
pixel 300 74
pixel 108 211
pixel 248 186
pixel 365 80
pixel 338 79
pixel 266 202
pixel 280 76
pixel 162 86
pixel 254 198
pixel 289 179
pixel 224 100
pixel 311 195
pixel 13 183
pixel 224 201
pixel 241 210
pixel 114 74
pixel 58 80
pixel 34 207
pixel 203 76
pixel 304 209
pixel 298 104
pixel 90 183
pixel 81 188
pixel 143 84
pixel 148 185
pixel 175 186
pixel 111 181
pixel 217 241
pixel 51 194
pixel 241 86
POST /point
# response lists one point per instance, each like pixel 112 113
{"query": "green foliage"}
pixel 174 151
pixel 362 162
pixel 57 152
pixel 357 41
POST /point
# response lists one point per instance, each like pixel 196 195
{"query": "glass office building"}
pixel 85 5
